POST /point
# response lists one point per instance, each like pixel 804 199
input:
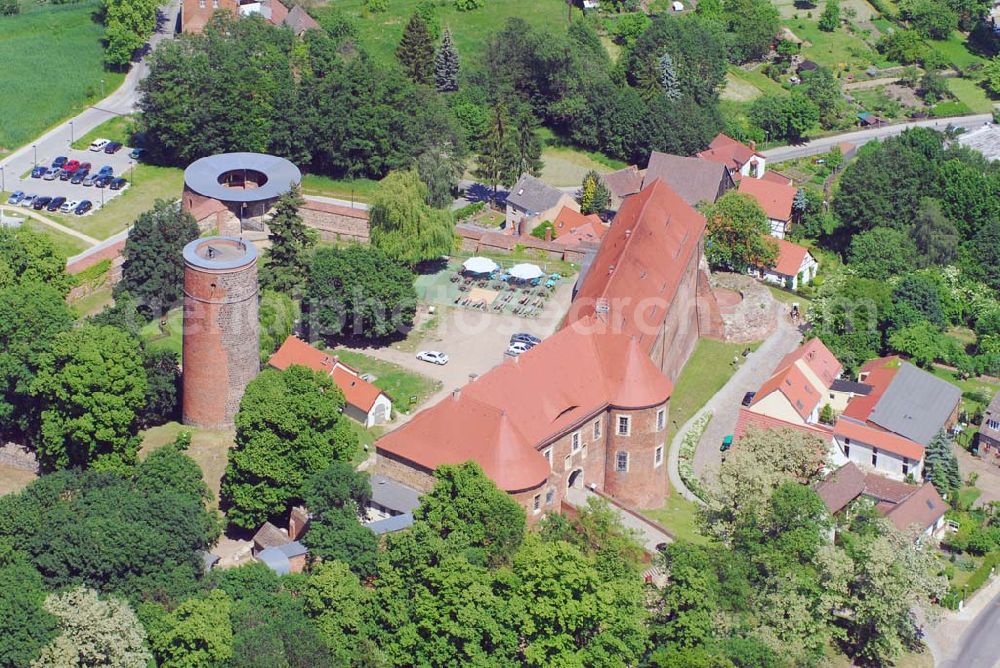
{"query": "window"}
pixel 623 425
pixel 847 450
pixel 215 4
pixel 550 497
pixel 536 503
pixel 597 429
pixel 906 465
pixel 661 419
pixel 567 463
pixel 584 453
pixel 874 456
pixel 658 456
pixel 201 4
pixel 993 424
pixel 831 396
pixel 575 441
pixel 548 456
pixel 621 462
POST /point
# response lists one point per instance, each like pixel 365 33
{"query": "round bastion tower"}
pixel 221 329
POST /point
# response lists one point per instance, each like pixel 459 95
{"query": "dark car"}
pixel 40 203
pixel 118 184
pixel 136 153
pixel 84 167
pixel 60 161
pixel 748 398
pixel 102 181
pixel 112 147
pixel 106 170
pixel 55 203
pixel 83 207
pixel 38 172
pixel 523 337
pixel 65 175
pixel 80 175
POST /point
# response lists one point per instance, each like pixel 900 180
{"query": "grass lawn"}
pixel 950 108
pixel 93 303
pixel 380 33
pixel 149 183
pixel 65 245
pixel 406 388
pixel 360 190
pixel 763 83
pixel 366 437
pixel 955 51
pixel 968 386
pixel 52 68
pixel 704 374
pixel 971 94
pixel 172 340
pixel 565 166
pixel 786 297
pixel 210 448
pixel 836 50
pixel 680 517
pixel 117 129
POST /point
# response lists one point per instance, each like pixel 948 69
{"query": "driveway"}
pixel 989 474
pixel 725 404
pixel 474 341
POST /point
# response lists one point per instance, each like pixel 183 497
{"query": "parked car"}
pixel 517 348
pixel 60 161
pixel 83 207
pixel 118 184
pixel 15 197
pixel 39 171
pixel 28 201
pixel 102 181
pixel 112 147
pixel 727 443
pixel 748 398
pixel 88 180
pixel 136 153
pixel 55 203
pixel 106 170
pixel 524 337
pixel 71 166
pixel 69 207
pixel 80 175
pixel 432 356
pixel 52 173
pixel 40 203
pixel 65 176
pixel 98 144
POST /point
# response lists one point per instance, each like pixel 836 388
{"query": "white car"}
pixel 99 144
pixel 517 348
pixel 28 201
pixel 432 356
pixel 69 206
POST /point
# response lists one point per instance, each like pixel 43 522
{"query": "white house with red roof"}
pixel 740 159
pixel 795 266
pixel 797 391
pixel 364 402
pixel 775 199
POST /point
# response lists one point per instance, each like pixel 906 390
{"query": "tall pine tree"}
pixel 668 77
pixel 291 241
pixel 595 198
pixel 446 64
pixel 416 51
pixel 510 147
pixel 941 466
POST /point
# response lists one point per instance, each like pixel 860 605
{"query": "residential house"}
pixel 888 428
pixel 747 419
pixel 277 550
pixel 776 201
pixel 741 160
pixel 989 430
pixel 984 139
pixel 696 180
pixel 843 390
pixel 531 202
pixel 797 391
pixel 621 184
pixel 909 507
pixel 364 401
pixel 795 266
pixel 195 14
pixel 572 228
pixel 391 506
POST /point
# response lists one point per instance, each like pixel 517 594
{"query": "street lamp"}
pixel 35 148
pixel 3 181
pixel 71 137
pixel 130 172
pixel 102 89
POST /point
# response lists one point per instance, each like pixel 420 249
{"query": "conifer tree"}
pixel 941 466
pixel 595 197
pixel 416 51
pixel 446 65
pixel 291 241
pixel 668 78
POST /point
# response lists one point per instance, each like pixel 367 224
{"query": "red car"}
pixel 84 165
pixel 71 166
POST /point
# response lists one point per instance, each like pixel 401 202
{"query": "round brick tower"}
pixel 221 328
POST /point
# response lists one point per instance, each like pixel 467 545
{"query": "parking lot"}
pixel 119 162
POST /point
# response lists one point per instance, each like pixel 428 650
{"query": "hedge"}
pixel 685 465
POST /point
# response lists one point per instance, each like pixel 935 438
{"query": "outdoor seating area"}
pixel 482 284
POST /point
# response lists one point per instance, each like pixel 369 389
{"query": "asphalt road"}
pixel 824 144
pixel 980 644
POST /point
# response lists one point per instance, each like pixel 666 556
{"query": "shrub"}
pixel 540 231
pixel 686 455
pixel 377 6
pixel 9 7
pixel 469 210
pixel 468 5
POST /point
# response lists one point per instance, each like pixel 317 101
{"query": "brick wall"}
pixel 678 333
pixel 644 484
pixel 403 471
pixel 334 222
pixel 478 240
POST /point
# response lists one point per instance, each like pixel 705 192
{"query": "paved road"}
pixel 339 202
pixel 824 144
pixel 15 212
pixel 979 645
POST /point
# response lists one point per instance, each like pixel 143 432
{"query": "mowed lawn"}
pixel 971 94
pixel 209 448
pixel 380 33
pixel 406 388
pixel 51 66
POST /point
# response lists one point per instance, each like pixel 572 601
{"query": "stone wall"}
pixel 479 240
pixel 755 317
pixel 334 222
pixel 644 484
pixel 403 471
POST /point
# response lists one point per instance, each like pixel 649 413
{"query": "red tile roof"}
pixel 923 508
pixel 728 151
pixel 501 419
pixel 903 504
pixel 748 419
pixel 357 392
pixel 777 177
pixel 790 257
pixel 636 273
pixel 572 227
pixel 776 199
pixel 880 373
pixel 796 388
pixel 883 440
pixel 818 358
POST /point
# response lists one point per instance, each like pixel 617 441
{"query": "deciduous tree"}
pixel 25 627
pixel 403 224
pixel 440 168
pixel 738 234
pixel 829 20
pixel 786 117
pixel 881 253
pixel 196 633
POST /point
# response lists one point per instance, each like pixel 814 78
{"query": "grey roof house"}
pixel 696 180
pixel 916 404
pixel 532 201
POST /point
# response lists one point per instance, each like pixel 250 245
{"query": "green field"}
pixel 955 51
pixel 680 517
pixel 380 33
pixel 149 183
pixel 971 94
pixel 836 50
pixel 406 388
pixel 117 129
pixel 170 337
pixel 51 69
pixel 358 190
pixel 65 244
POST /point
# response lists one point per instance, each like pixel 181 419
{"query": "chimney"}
pixel 753 145
pixel 548 234
pixel 628 233
pixel 456 393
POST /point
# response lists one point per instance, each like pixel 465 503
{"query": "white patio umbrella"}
pixel 526 272
pixel 480 265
